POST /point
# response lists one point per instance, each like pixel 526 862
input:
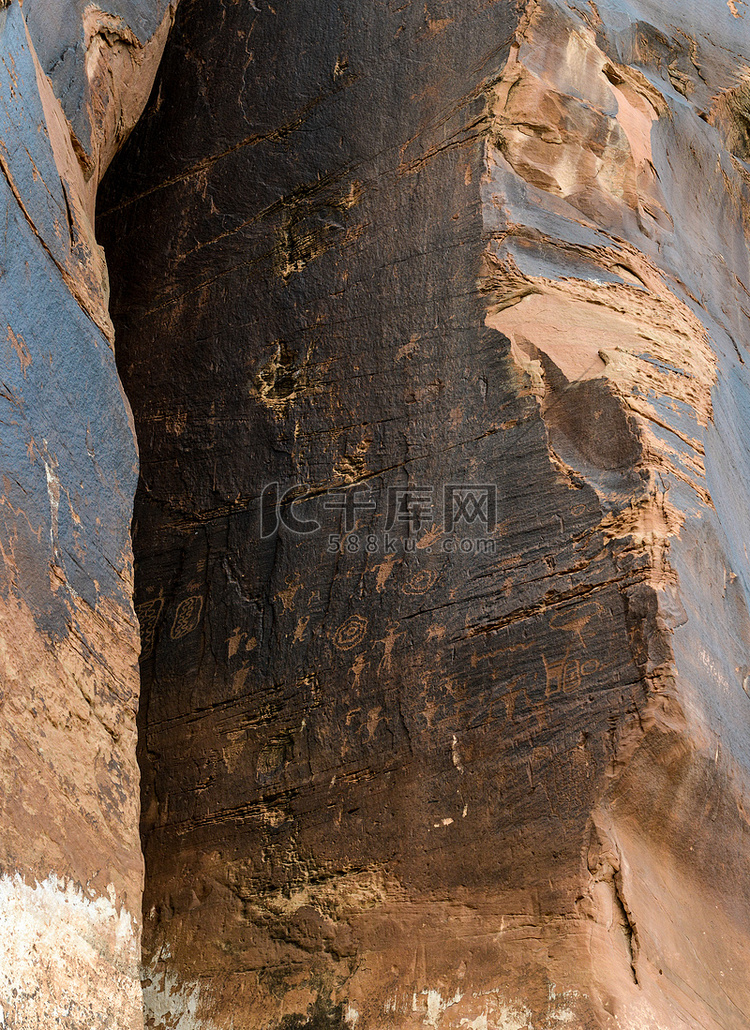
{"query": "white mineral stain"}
pixel 436 1006
pixel 53 489
pixel 455 754
pixel 66 953
pixel 174 1003
pixel 480 1023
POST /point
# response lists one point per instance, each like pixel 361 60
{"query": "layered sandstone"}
pixel 434 324
pixel 71 871
pixel 402 248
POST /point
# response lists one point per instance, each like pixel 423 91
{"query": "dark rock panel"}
pixel 433 320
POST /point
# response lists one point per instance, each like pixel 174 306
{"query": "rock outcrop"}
pixel 434 324
pixel 71 871
pixel 437 358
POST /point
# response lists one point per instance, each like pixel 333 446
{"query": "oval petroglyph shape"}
pixel 420 582
pixel 187 617
pixel 350 633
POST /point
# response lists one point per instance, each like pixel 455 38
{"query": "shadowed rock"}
pixel 433 322
pixel 71 872
pixel 398 254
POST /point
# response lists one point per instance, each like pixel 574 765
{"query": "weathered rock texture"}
pixel 396 246
pixel 479 766
pixel 70 868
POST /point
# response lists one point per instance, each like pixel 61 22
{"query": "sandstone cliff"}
pixel 71 872
pixel 433 319
pixel 399 248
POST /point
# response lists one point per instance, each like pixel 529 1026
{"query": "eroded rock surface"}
pixel 71 871
pixel 480 764
pixel 399 249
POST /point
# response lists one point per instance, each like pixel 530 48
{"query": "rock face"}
pixel 434 321
pixel 437 351
pixel 70 868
